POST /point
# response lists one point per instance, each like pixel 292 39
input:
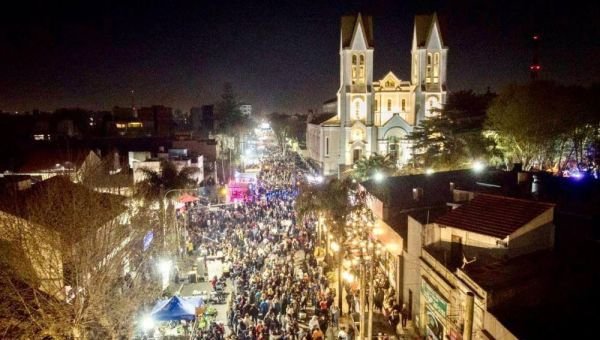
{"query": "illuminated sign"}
pixel 433 299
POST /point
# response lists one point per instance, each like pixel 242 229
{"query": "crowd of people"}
pixel 279 290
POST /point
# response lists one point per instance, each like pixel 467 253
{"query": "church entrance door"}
pixel 356 155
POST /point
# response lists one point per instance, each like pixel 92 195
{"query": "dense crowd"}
pixel 279 290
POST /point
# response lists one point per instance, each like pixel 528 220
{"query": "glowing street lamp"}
pixel 164 266
pixel 147 323
pixel 378 177
pixel 478 166
pixel 335 247
pixel 429 171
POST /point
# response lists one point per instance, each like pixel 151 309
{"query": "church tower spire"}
pixel 428 69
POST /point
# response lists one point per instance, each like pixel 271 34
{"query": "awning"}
pixel 186 198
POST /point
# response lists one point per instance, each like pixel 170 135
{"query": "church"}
pixel 370 116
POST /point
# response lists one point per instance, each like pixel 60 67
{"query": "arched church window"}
pixel 436 67
pixel 428 70
pixel 389 105
pixel 393 147
pixel 416 69
pixel 354 66
pixel 361 68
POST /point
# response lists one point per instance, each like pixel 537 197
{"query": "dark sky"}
pixel 279 55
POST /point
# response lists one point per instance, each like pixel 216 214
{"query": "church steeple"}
pixel 356 69
pixel 428 69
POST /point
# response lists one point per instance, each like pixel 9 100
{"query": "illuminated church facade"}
pixel 374 116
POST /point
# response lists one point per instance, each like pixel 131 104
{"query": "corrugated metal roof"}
pixel 492 215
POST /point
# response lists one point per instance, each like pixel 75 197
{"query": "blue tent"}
pixel 176 308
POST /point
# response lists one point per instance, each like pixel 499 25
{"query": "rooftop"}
pixel 492 215
pixel 70 209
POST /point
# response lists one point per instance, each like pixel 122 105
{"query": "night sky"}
pixel 280 56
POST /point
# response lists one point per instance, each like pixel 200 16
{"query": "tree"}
pixel 453 138
pixel 540 124
pixel 228 111
pixel 158 184
pixel 435 144
pixel 366 167
pixel 73 247
pixel 336 201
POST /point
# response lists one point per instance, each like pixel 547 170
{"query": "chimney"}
pixel 535 186
pixel 417 193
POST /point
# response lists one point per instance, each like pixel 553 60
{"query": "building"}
pixel 475 254
pixel 47 226
pixel 157 120
pixel 246 109
pixel 179 157
pixel 373 116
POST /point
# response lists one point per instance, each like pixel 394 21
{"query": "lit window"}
pixel 361 70
pixel 389 106
pixel 354 66
pixel 403 105
pixel 428 70
pixel 436 67
pixel 376 105
pixel 357 110
pixel 416 69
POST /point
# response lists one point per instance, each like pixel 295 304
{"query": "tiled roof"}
pixel 348 27
pixel 492 215
pixel 44 159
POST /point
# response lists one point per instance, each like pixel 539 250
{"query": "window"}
pixel 361 69
pixel 393 149
pixel 403 105
pixel 354 65
pixel 428 70
pixel 436 67
pixel 416 69
pixel 389 84
pixel 389 106
pixel 357 110
pixel 376 107
pixel 326 146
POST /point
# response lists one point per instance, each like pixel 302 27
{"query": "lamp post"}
pixel 164 212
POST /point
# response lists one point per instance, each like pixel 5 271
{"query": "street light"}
pixel 164 266
pixel 378 176
pixel 147 323
pixel 478 166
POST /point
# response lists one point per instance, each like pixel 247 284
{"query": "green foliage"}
pixel 333 201
pixel 228 111
pixel 541 123
pixel 453 138
pixel 366 167
pixel 157 184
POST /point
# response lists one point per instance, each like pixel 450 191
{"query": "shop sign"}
pixel 148 240
pixel 433 299
pixel 455 335
pixel 434 327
